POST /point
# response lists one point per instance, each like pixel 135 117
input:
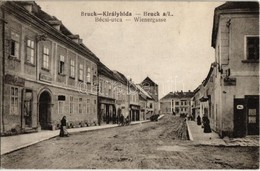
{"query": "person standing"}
pixel 198 120
pixel 206 124
pixel 63 129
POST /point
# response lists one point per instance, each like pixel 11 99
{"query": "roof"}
pixel 209 74
pixel 105 71
pixel 147 79
pixel 120 77
pixel 45 19
pixel 178 94
pixel 231 8
pixel 144 92
pixel 197 89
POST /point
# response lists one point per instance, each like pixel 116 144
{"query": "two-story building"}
pixel 235 38
pixel 107 95
pixel 47 71
pixel 122 95
pixel 178 103
pixel 134 106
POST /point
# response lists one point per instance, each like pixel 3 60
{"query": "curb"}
pixel 56 135
pixel 27 145
pixel 189 132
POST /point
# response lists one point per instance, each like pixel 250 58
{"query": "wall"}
pixel 231 43
pixel 36 78
pixel 1 67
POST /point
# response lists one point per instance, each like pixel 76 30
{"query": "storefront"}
pixel 107 110
pixel 134 112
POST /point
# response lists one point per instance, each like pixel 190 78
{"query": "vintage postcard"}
pixel 129 84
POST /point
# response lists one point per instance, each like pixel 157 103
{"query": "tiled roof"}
pixel 104 70
pixel 47 19
pixel 178 94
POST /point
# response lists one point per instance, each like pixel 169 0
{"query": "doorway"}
pixel 45 110
pixel 239 118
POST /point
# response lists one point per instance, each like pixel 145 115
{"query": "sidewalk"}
pixel 13 143
pixel 197 135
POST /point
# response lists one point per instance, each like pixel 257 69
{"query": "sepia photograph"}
pixel 120 84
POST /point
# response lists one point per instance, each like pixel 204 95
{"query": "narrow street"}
pixel 153 145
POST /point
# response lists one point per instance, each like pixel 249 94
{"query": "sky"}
pixel 175 54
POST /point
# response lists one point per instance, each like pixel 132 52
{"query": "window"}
pixel 94 106
pixel 81 72
pixel 252 48
pixel 15 44
pixel 176 103
pixel 72 68
pixel 80 105
pixel 46 54
pixel 100 86
pixel 30 51
pixel 62 65
pixel 109 90
pixel 60 107
pixel 88 74
pixel 14 101
pixel 61 100
pixel 88 105
pixel 71 104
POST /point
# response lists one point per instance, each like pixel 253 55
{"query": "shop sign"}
pixel 240 107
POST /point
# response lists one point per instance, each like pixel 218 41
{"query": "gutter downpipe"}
pixel 3 35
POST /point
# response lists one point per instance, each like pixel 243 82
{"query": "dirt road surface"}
pixel 153 145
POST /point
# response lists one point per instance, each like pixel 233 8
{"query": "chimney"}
pixel 75 38
pixel 28 7
pixel 55 23
pixel 80 41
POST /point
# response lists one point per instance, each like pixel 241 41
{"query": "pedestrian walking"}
pixel 63 129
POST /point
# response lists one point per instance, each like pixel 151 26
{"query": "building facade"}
pixel 107 95
pixel 178 103
pixel 134 106
pixel 48 72
pixel 152 89
pixel 235 38
pixel 122 95
pixel 146 104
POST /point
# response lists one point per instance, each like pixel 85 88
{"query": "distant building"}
pixel 146 104
pixel 204 98
pixel 178 103
pixel 152 88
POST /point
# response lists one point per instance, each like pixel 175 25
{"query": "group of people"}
pixel 205 123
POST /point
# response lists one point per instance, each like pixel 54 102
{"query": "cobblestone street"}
pixel 153 145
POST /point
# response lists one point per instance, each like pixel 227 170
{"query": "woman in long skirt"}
pixel 63 129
